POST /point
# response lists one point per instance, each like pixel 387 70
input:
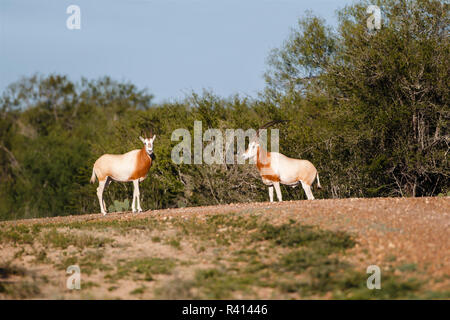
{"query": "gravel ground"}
pixel 395 231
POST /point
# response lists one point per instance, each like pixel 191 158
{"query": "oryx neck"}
pixel 262 154
pixel 147 153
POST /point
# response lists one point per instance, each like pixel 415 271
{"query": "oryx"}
pixel 130 166
pixel 276 168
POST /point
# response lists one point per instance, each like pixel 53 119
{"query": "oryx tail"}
pixel 93 176
pixel 318 181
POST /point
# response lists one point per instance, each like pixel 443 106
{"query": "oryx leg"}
pixel 133 203
pixel 271 193
pixel 308 192
pixel 278 190
pixel 101 187
pixel 108 182
pixel 136 197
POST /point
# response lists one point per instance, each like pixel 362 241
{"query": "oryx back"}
pixel 119 167
pixel 292 171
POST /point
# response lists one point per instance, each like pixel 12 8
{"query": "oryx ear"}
pixel 154 136
pixel 142 139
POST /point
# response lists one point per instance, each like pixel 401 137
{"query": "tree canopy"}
pixel 370 109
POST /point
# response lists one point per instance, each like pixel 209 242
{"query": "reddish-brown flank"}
pixel 263 165
pixel 143 164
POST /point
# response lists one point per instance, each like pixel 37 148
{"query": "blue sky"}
pixel 171 47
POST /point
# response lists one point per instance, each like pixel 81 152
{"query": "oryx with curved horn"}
pixel 130 166
pixel 276 168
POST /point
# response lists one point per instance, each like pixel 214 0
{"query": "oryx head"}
pixel 252 149
pixel 254 144
pixel 148 142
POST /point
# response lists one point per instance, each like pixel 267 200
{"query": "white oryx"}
pixel 130 166
pixel 276 168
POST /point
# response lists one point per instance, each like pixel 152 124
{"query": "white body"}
pixel 117 166
pixel 276 168
pixel 130 166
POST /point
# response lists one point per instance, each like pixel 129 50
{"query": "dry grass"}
pixel 255 252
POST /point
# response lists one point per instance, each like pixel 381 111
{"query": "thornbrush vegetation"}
pixel 370 109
